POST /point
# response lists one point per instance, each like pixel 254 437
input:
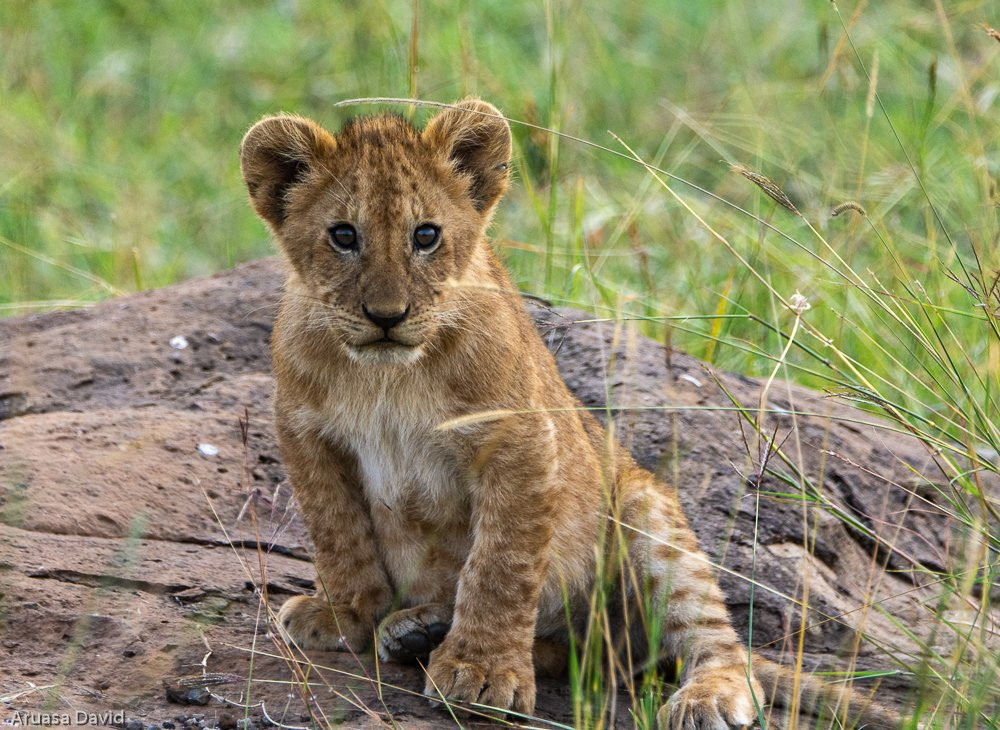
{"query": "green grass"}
pixel 120 123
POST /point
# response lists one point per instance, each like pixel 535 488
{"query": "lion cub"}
pixel 464 539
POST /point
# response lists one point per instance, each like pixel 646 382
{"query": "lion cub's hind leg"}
pixel 411 634
pixel 715 691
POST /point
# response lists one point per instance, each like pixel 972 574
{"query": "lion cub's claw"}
pixel 715 701
pixel 411 634
pixel 503 683
pixel 314 624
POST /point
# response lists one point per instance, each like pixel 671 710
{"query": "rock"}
pixel 103 493
pixel 187 695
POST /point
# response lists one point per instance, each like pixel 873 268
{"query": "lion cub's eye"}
pixel 343 237
pixel 426 237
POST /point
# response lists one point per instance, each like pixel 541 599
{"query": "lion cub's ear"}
pixel 277 153
pixel 475 138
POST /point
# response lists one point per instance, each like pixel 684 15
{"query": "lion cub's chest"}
pixel 412 478
pixel 407 467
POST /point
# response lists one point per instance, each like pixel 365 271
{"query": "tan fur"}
pixel 487 524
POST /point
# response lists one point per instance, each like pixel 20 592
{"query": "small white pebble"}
pixel 691 379
pixel 208 449
pixel 179 342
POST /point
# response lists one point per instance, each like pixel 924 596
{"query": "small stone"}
pixel 187 695
pixel 179 342
pixel 133 725
pixel 167 725
pixel 208 449
pixel 691 379
pixel 227 721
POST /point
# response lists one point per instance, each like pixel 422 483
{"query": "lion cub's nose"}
pixel 385 320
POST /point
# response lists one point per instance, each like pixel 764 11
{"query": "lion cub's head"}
pixel 380 219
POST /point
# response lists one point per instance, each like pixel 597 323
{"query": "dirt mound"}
pixel 142 498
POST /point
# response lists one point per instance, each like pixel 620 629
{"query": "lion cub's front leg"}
pixel 486 657
pixel 410 634
pixel 352 589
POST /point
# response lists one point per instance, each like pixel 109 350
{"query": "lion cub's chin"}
pixel 385 353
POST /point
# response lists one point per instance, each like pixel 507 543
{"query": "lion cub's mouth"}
pixel 385 350
pixel 386 343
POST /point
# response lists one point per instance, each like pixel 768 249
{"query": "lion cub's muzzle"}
pixel 389 342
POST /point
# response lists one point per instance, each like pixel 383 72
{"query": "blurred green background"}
pixel 120 124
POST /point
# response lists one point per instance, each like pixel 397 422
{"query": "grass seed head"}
pixel 798 303
pixel 768 186
pixel 849 205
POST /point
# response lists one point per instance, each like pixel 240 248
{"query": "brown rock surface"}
pixel 128 557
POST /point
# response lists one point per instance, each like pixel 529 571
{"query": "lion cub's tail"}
pixel 778 682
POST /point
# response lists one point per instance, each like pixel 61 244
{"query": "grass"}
pixel 738 130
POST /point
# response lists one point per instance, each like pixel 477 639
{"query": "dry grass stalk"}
pixel 872 88
pixel 992 32
pixel 768 186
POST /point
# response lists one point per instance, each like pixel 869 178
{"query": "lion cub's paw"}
pixel 412 633
pixel 712 700
pixel 503 681
pixel 314 624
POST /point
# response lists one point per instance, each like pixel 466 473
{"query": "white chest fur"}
pixel 405 463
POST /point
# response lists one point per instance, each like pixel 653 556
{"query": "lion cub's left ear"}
pixel 475 138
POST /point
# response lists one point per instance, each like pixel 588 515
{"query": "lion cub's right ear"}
pixel 276 154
